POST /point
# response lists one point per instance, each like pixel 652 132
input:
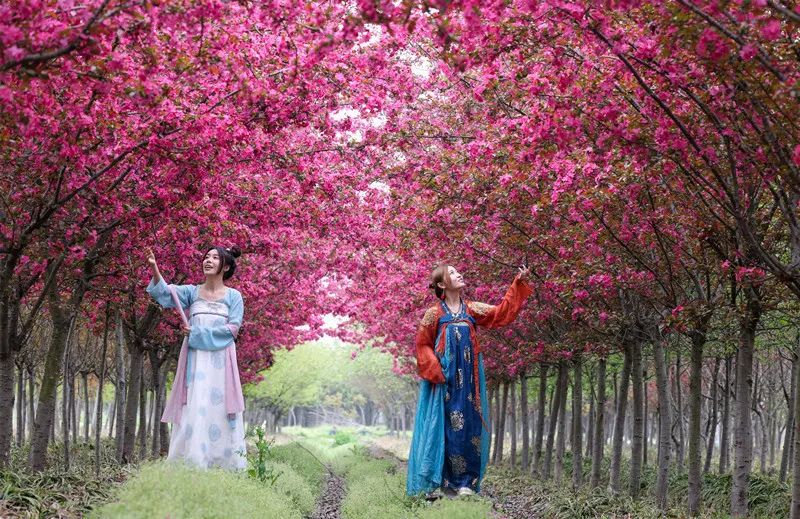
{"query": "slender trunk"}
pixel 537 441
pixel 65 399
pixel 695 402
pixel 679 417
pixel 619 424
pixel 163 431
pixel 725 435
pixel 512 415
pixel 86 413
pixel 645 432
pixel 73 408
pixel 561 438
pixel 790 416
pixel 501 417
pixel 599 428
pixel 20 406
pixel 795 506
pixel 142 414
pixel 577 425
pixel 31 402
pixel 99 419
pixel 525 419
pixel 664 424
pixel 638 419
pixel 712 433
pixel 494 398
pixel 112 412
pixel 121 389
pixel 590 420
pixel 46 408
pixel 551 433
pixel 6 404
pixel 742 433
pixel 132 404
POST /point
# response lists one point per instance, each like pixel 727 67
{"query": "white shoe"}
pixel 465 491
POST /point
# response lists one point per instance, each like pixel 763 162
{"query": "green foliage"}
pixel 258 460
pixel 295 487
pixel 167 490
pixel 304 460
pixel 343 438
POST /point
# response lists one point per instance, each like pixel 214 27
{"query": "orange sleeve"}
pixel 494 316
pixel 427 363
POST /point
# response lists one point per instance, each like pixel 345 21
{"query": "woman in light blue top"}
pixel 206 401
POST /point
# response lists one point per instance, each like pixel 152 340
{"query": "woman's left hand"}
pixel 524 273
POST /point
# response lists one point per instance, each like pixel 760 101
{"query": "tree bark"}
pixel 525 419
pixel 599 428
pixel 45 410
pixel 501 417
pixel 795 506
pixel 619 424
pixel 561 438
pixel 551 434
pixel 679 412
pixel 695 402
pixel 712 433
pixel 590 419
pixel 99 419
pixel 664 424
pixel 132 404
pixel 637 442
pixel 577 425
pixel 20 406
pixel 31 402
pixel 142 434
pixel 725 435
pixel 539 433
pixel 121 389
pixel 86 413
pixel 742 433
pixel 512 415
pixel 790 416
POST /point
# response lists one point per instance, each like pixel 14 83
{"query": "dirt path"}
pixel 330 501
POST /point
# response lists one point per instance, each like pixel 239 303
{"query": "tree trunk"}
pixel 494 399
pixel 46 408
pixel 695 403
pixel 537 441
pixel 638 419
pixel 132 405
pixel 599 428
pixel 525 419
pixel 551 434
pixel 725 435
pixel 795 506
pixel 501 417
pixel 512 415
pixel 664 424
pixel 142 414
pixel 742 433
pixel 645 432
pixel 577 425
pixel 86 413
pixel 20 406
pixel 712 433
pixel 121 389
pixel 561 438
pixel 679 412
pixel 790 416
pixel 619 424
pixel 6 404
pixel 99 419
pixel 590 420
pixel 31 402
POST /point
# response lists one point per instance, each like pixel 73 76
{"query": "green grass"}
pixel 167 490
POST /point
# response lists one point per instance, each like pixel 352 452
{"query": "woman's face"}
pixel 456 279
pixel 211 263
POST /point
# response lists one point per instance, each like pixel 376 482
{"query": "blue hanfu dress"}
pixel 450 445
pixel 206 435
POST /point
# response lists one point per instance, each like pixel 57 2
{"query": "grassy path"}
pixel 316 476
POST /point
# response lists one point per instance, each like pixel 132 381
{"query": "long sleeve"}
pixel 212 338
pixel 427 363
pixel 160 292
pixel 494 316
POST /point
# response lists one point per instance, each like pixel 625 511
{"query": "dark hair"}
pixel 440 274
pixel 227 256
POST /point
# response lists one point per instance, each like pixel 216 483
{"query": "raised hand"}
pixel 524 273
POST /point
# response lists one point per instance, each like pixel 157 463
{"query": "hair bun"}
pixel 234 251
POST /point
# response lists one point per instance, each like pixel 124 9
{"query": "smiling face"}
pixel 212 263
pixel 456 279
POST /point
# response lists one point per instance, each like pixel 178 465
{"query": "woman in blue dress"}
pixel 450 445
